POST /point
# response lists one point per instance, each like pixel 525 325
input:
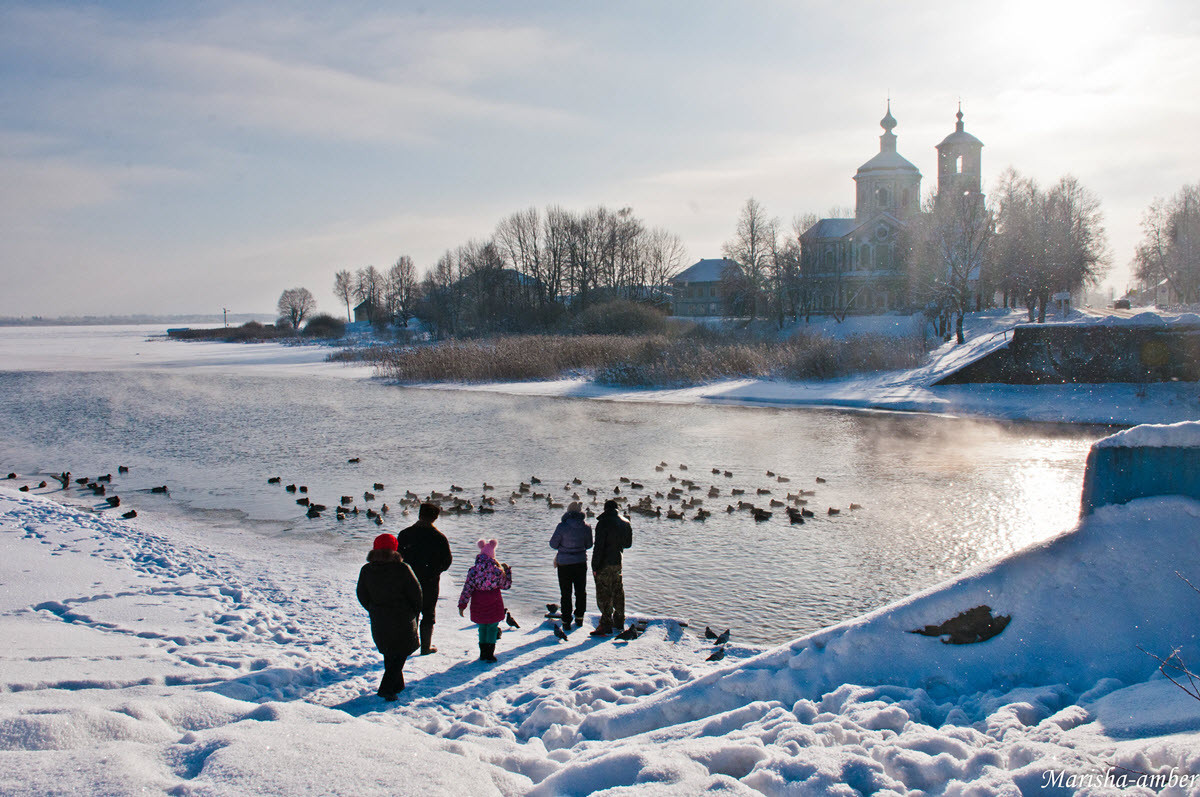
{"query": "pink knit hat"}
pixel 488 548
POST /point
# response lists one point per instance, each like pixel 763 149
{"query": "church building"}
pixel 859 265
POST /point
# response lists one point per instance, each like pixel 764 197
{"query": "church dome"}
pixel 888 162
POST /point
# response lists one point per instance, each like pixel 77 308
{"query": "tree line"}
pixel 540 269
pixel 535 272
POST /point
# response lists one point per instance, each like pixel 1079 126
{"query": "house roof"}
pixel 709 270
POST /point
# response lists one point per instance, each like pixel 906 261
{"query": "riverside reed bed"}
pixel 639 360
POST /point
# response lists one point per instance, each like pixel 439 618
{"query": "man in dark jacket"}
pixel 427 552
pixel 389 592
pixel 572 538
pixel 613 535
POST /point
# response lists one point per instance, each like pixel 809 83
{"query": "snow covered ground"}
pixel 146 659
pixel 188 659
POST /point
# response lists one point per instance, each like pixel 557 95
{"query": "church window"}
pixel 958 164
pixel 881 195
pixel 881 257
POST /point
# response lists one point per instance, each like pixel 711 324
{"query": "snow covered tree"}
pixel 1170 247
pixel 952 240
pixel 1048 241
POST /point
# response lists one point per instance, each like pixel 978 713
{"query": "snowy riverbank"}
pixel 914 391
pixel 193 661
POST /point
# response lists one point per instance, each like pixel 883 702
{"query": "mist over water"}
pixel 939 495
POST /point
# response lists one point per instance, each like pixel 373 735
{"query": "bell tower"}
pixel 959 162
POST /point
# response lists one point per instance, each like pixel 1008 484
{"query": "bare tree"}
pixel 369 287
pixel 400 290
pixel 519 239
pixel 751 247
pixel 295 305
pixel 343 288
pixel 1170 247
pixel 663 254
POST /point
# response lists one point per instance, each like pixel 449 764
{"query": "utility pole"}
pixel 225 313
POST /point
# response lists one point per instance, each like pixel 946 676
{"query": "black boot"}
pixel 487 651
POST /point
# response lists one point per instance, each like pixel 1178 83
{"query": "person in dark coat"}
pixel 613 535
pixel 572 538
pixel 389 591
pixel 427 552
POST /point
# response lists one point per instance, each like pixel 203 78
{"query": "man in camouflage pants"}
pixel 613 535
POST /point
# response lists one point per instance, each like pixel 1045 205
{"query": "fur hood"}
pixel 384 556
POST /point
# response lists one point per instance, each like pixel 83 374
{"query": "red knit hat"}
pixel 385 542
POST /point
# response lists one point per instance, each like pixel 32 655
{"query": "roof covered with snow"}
pixel 708 270
pixel 831 228
pixel 887 161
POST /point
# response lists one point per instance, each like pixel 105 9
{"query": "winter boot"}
pixel 604 629
pixel 487 651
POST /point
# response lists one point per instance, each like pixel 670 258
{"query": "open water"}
pixel 938 495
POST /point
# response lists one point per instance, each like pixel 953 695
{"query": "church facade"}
pixel 860 264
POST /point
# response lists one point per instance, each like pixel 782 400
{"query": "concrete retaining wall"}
pixel 1093 353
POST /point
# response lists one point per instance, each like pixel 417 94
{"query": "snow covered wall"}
pixel 1141 462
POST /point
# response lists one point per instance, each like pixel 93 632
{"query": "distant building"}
pixel 860 264
pixel 365 311
pixel 698 289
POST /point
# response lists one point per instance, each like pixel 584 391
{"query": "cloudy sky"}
pixel 185 157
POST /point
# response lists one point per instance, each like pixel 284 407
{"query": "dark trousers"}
pixel 429 597
pixel 573 577
pixel 393 673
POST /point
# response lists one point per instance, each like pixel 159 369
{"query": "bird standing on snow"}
pixel 558 632
pixel 724 637
pixel 717 655
pixel 508 618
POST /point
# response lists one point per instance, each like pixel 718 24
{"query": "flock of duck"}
pixel 99 486
pixel 682 491
pixel 681 498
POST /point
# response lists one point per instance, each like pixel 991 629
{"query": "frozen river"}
pixel 938 495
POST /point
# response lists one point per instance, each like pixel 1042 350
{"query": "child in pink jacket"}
pixel 485 579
